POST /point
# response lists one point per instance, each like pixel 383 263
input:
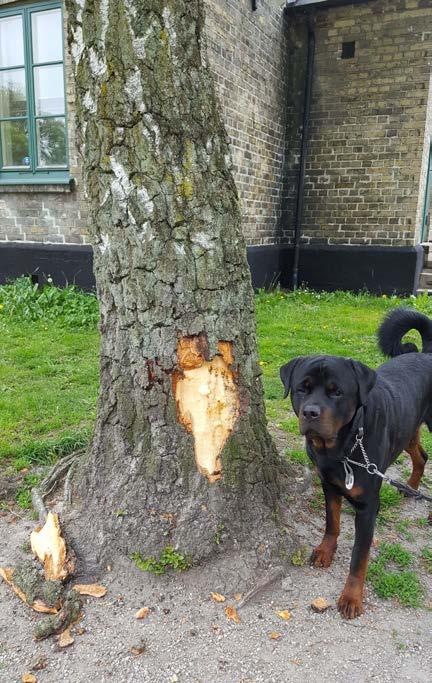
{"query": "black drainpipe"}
pixel 303 152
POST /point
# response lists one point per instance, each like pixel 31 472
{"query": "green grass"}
pixel 23 495
pixel 48 371
pixel 48 387
pixel 390 576
pixel 426 559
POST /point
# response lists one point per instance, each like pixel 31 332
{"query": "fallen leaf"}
pixel 50 548
pixel 284 614
pixel 137 649
pixel 274 635
pixel 320 605
pixel 95 590
pixel 237 596
pixel 65 639
pixel 29 678
pixel 40 663
pixel 231 614
pixel 142 613
pixel 38 605
pixel 217 597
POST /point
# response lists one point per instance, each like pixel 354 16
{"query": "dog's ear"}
pixel 366 378
pixel 286 372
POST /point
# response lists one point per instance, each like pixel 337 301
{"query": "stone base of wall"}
pixel 380 270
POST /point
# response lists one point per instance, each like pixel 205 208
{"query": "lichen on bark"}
pixel 170 263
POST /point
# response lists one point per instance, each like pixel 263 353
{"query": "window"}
pixel 348 50
pixel 33 134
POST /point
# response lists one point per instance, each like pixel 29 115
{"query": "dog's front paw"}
pixel 350 605
pixel 323 554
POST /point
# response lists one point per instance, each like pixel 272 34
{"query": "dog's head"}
pixel 326 392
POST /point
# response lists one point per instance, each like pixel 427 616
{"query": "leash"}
pixel 372 469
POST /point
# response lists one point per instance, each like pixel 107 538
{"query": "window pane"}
pixel 49 90
pixel 11 41
pixel 12 93
pixel 51 142
pixel 14 143
pixel 47 36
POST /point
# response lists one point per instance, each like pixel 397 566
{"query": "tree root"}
pixel 262 583
pixel 63 469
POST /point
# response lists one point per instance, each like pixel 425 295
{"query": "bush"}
pixel 68 307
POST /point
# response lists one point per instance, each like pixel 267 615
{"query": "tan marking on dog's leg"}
pixel 350 603
pixel 323 554
pixel 418 457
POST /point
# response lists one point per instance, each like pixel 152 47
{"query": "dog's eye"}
pixel 334 391
pixel 304 388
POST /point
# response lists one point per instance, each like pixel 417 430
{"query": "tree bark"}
pixel 181 454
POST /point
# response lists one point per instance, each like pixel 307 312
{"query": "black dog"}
pixel 339 399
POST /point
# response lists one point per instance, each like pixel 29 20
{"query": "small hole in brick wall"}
pixel 348 49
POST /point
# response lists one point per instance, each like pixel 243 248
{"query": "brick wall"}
pixel 247 52
pixel 367 130
pixel 248 55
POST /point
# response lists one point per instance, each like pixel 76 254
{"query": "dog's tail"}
pixel 397 324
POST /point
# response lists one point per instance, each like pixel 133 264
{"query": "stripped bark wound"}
pixel 207 400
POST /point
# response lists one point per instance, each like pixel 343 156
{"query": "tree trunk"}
pixel 180 455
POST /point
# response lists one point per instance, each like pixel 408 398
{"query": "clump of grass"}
pixel 168 559
pixel 23 494
pixel 426 559
pixel 403 529
pixel 67 307
pixel 396 581
pixel 390 499
pixel 290 426
pixel 48 452
pixel 299 457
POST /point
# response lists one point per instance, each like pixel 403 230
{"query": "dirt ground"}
pixel 187 637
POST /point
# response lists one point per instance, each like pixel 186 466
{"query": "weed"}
pixel 218 535
pixel 300 557
pixel 426 559
pixel 403 585
pixel 169 559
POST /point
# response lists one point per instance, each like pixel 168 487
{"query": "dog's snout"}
pixel 311 411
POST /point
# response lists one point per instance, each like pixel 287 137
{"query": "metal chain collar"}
pixel 371 468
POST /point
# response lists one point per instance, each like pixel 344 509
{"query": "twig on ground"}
pixel 263 582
